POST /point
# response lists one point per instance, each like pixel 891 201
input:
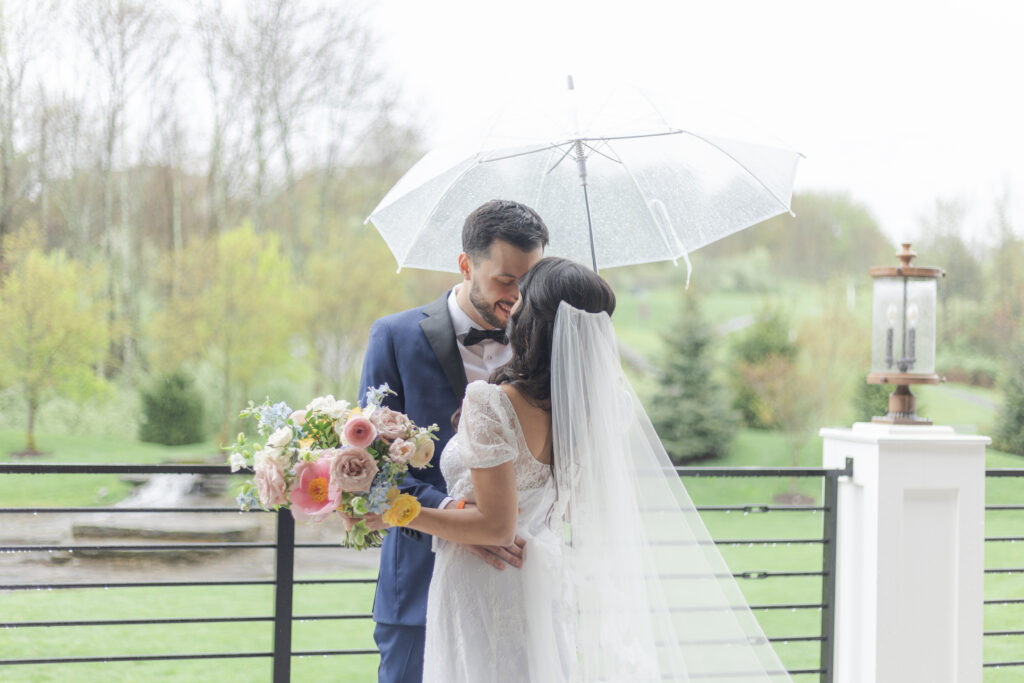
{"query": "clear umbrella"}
pixel 616 183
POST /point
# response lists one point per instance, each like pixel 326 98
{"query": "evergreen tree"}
pixel 1010 425
pixel 691 411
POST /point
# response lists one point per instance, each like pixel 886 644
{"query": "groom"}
pixel 428 355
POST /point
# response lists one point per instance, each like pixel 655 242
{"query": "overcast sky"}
pixel 899 102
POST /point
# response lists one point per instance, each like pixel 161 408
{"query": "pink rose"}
pixel 298 417
pixel 270 484
pixel 313 495
pixel 353 469
pixel 424 452
pixel 359 432
pixel 392 424
pixel 401 451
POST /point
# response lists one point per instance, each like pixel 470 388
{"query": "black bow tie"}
pixel 475 336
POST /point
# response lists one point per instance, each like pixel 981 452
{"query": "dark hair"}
pixel 531 328
pixel 502 219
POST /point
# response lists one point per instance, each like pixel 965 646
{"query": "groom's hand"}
pixel 499 556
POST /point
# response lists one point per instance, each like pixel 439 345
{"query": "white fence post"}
pixel 910 554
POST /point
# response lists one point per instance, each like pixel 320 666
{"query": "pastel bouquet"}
pixel 334 456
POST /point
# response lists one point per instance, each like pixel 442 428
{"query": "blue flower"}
pixel 272 416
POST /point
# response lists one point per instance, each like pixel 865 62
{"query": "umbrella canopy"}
pixel 615 182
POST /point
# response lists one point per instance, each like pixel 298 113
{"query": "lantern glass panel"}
pixel 903 326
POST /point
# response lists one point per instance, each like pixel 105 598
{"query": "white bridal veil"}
pixel 645 593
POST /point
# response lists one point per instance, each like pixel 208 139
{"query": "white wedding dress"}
pixel 478 625
pixel 621 580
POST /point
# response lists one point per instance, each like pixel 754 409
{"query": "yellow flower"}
pixel 404 508
pixel 306 443
pixel 392 494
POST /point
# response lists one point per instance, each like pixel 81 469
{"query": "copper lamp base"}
pixel 902 409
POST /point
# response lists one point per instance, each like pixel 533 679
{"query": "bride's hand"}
pixel 374 522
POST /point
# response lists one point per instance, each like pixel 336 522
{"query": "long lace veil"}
pixel 646 594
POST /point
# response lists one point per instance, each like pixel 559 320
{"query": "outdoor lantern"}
pixel 903 334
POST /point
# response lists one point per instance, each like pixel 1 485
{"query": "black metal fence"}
pixel 999 540
pixel 284 580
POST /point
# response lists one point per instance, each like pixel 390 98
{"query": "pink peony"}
pixel 270 484
pixel 401 451
pixel 313 496
pixel 359 432
pixel 353 469
pixel 392 424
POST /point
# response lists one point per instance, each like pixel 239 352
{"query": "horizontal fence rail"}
pixel 284 580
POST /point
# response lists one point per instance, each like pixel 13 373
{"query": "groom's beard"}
pixel 485 309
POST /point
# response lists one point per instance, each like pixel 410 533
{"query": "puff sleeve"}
pixel 487 426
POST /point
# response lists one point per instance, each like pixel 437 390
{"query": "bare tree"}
pixel 22 32
pixel 128 41
pixel 305 73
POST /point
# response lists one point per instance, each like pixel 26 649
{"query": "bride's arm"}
pixel 491 522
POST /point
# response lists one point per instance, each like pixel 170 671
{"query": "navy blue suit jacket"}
pixel 416 353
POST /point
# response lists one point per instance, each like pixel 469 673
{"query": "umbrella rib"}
pixel 678 131
pixel 597 151
pixel 741 165
pixel 661 229
pixel 553 145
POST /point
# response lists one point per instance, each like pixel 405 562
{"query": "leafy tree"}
pixel 235 307
pixel 172 412
pixel 691 412
pixel 762 343
pixel 52 328
pixel 1009 431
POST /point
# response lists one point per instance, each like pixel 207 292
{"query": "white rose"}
pixel 337 410
pixel 281 438
pixel 319 404
pixel 270 455
pixel 237 462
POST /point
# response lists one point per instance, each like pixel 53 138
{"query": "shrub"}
pixel 766 342
pixel 172 412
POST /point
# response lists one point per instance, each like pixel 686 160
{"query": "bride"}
pixel 620 580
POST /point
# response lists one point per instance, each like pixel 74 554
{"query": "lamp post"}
pixel 903 334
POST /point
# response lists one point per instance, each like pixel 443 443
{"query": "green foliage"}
pixel 172 412
pixel 766 342
pixel 1009 433
pixel 691 411
pixel 870 400
pixel 52 328
pixel 235 306
pixel 839 231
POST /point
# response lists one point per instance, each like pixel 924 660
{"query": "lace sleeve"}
pixel 486 427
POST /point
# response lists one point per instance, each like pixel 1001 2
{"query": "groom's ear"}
pixel 465 265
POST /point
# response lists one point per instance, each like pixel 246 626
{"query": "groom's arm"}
pixel 379 366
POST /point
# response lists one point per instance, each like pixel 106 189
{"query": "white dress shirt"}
pixel 481 359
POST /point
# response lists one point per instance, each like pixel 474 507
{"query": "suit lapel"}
pixel 440 333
